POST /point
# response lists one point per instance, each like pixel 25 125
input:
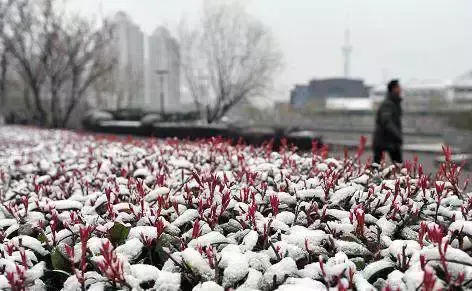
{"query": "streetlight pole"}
pixel 161 74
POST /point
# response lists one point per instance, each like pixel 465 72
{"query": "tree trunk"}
pixel 3 81
pixel 41 113
pixel 55 108
pixel 55 112
pixel 73 98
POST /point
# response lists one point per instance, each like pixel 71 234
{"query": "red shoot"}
pixel 429 280
pixel 197 179
pixel 225 201
pixel 435 234
pixel 274 202
pixel 360 217
pixel 447 153
pixel 24 259
pixel 320 260
pixel 422 262
pixel 439 188
pixel 361 147
pixel 159 227
pixel 307 248
pixel 111 266
pixel 196 231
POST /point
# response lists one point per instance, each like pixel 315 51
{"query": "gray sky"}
pixel 408 39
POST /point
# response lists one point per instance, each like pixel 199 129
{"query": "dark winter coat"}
pixel 388 125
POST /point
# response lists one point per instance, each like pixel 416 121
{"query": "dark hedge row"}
pixel 255 136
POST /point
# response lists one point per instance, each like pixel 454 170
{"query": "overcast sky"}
pixel 408 39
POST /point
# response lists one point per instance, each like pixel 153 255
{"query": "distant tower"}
pixel 347 49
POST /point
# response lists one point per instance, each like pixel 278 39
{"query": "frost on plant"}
pixel 82 212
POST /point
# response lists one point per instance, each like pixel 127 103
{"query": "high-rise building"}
pixel 163 73
pixel 129 78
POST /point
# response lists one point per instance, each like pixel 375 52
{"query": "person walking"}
pixel 388 135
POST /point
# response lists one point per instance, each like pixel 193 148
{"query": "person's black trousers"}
pixel 395 154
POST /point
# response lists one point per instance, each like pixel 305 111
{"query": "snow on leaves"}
pixel 134 214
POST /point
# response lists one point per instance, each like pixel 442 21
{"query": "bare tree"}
pixel 228 57
pixel 88 60
pixel 29 40
pixel 5 6
pixel 59 58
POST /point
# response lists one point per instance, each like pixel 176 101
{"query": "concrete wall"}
pixel 419 127
pixel 413 122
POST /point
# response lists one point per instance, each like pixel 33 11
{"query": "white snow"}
pixel 452 255
pixel 361 283
pixel 208 286
pixel 36 272
pixel 308 194
pixel 235 265
pixel 168 281
pixel 342 194
pixel 143 172
pixel 197 264
pixel 293 284
pixel 146 230
pixel 253 281
pixel 132 248
pixel 286 267
pixel 461 226
pixel 351 248
pixel 189 215
pixel 375 267
pixel 6 222
pixel 249 240
pixel 153 194
pixel 387 226
pixel 66 204
pixel 29 242
pixel 141 273
pixel 298 234
pixel 94 244
pixel 208 239
pixel 259 261
pixel 396 247
pixel 286 217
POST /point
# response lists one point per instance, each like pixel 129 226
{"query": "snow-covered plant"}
pixel 112 266
pixel 98 212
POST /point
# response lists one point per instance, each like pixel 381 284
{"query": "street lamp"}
pixel 161 74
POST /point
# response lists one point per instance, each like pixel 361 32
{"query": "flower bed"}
pixel 81 211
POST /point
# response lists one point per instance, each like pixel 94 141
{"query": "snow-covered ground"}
pixel 89 212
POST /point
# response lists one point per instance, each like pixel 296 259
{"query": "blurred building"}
pixel 425 95
pixel 332 93
pixel 461 89
pixel 128 77
pixel 163 72
pixel 377 94
pixel 431 95
pixel 299 96
pixel 417 95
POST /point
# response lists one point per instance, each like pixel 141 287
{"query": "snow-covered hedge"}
pixel 83 212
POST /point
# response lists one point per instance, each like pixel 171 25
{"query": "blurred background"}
pixel 307 69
